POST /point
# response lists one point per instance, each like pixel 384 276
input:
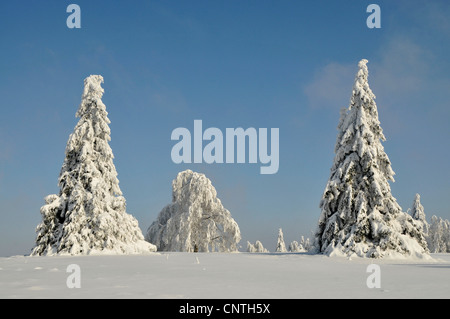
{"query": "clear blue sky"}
pixel 263 64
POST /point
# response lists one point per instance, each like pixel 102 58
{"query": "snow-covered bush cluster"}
pixel 303 246
pixel 256 248
pixel 294 247
pixel 437 234
pixel 438 237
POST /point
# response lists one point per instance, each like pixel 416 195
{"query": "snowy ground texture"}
pixel 222 275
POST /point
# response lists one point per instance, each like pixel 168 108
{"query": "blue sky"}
pixel 263 64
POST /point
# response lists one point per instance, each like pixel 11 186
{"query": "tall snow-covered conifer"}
pixel 359 215
pixel 195 220
pixel 89 214
pixel 281 245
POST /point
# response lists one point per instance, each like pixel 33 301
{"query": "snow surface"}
pixel 222 275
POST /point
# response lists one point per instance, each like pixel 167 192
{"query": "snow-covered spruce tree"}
pixel 89 215
pixel 281 246
pixel 359 215
pixel 417 212
pixel 195 220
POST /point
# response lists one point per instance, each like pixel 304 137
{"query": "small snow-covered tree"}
pixel 359 215
pixel 295 247
pixel 89 214
pixel 439 235
pixel 446 237
pixel 281 246
pixel 260 248
pixel 302 246
pixel 250 247
pixel 305 244
pixel 417 212
pixel 195 220
pixel 256 248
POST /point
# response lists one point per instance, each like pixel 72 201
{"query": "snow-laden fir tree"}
pixel 89 215
pixel 417 212
pixel 359 215
pixel 281 246
pixel 195 220
pixel 256 248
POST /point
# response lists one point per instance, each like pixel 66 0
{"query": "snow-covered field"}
pixel 222 275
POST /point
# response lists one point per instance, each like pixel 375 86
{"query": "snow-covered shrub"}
pixel 305 244
pixel 299 247
pixel 195 220
pixel 439 235
pixel 256 248
pixel 294 247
